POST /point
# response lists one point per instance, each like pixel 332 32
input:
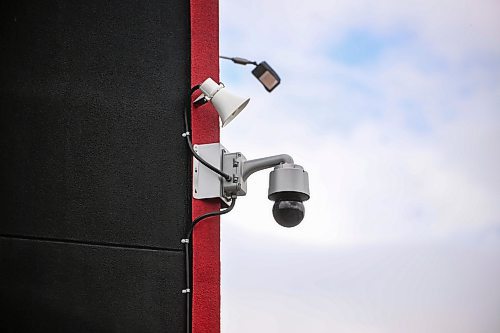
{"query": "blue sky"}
pixel 361 47
pixel 393 108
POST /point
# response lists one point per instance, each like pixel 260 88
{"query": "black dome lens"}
pixel 288 213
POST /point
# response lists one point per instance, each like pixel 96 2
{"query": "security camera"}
pixel 288 182
pixel 288 188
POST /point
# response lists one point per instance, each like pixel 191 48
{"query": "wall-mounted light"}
pixel 227 104
pixel 263 72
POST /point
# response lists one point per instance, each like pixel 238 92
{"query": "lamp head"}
pixel 227 104
pixel 266 75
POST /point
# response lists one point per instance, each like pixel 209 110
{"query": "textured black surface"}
pixel 91 116
pixel 56 287
pixel 91 112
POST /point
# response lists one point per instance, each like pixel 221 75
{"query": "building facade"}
pixel 96 177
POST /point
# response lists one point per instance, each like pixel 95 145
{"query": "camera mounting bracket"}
pixel 207 184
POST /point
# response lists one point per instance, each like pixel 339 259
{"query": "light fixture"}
pixel 227 104
pixel 263 72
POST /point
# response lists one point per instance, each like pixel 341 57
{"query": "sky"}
pixel 393 108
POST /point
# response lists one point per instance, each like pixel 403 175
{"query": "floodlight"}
pixel 227 104
pixel 263 72
pixel 266 75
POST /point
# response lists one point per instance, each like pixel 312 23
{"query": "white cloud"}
pixel 451 28
pixel 275 286
pixel 402 150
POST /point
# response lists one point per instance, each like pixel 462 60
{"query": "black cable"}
pixel 204 216
pixel 187 134
pixel 186 241
pixel 188 290
pixel 240 61
pixel 202 161
pixel 193 89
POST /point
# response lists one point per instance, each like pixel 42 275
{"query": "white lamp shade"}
pixel 227 104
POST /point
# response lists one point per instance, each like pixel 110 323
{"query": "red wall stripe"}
pixel 205 127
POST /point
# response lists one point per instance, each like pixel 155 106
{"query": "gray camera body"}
pixel 288 182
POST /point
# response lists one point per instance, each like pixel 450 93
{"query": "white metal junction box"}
pixel 206 183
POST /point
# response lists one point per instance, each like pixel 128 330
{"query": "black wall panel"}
pixel 95 178
pixel 92 94
pixel 58 287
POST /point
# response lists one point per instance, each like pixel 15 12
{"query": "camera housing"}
pixel 288 182
pixel 288 188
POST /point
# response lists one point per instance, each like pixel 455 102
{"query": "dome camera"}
pixel 288 188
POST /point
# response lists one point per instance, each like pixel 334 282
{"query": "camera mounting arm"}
pixel 236 165
pixel 286 178
pixel 258 164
